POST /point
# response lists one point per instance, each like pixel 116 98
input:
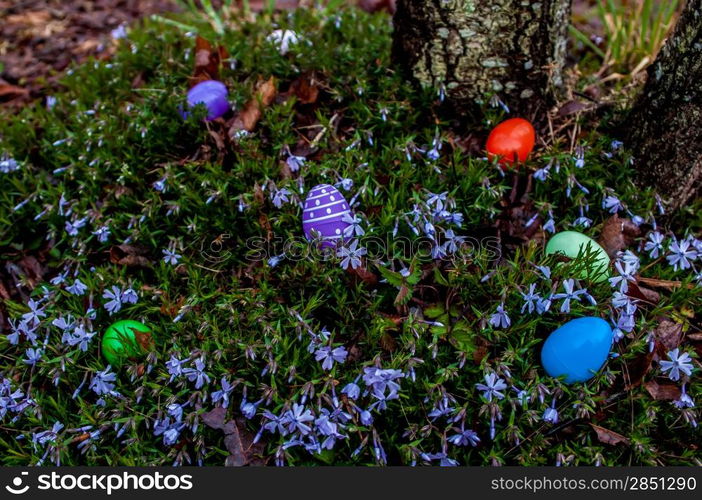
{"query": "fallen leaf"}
pixel 481 350
pixel 666 391
pixel 609 437
pixel 249 116
pixel 129 255
pixel 667 284
pixel 647 295
pixel 669 333
pixel 637 369
pixel 9 92
pixel 572 107
pixel 237 440
pixel 387 342
pixel 208 60
pixel 368 277
pixel 305 89
pixel 377 5
pixel 617 234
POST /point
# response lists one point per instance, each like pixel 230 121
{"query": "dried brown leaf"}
pixel 607 436
pixel 637 369
pixel 669 333
pixel 387 342
pixel 646 294
pixel 215 418
pixel 129 255
pixel 8 91
pixel 667 391
pixel 305 89
pixel 617 234
pixel 208 60
pixel 252 111
pixel 572 107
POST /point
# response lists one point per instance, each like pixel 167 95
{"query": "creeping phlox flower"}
pixel 351 255
pixel 678 363
pixel 328 356
pixel 682 252
pixel 500 319
pixel 284 40
pixel 13 401
pixel 432 218
pixel 7 164
pixel 171 257
pixel 102 382
pixel 171 425
pixel 493 387
pixel 116 297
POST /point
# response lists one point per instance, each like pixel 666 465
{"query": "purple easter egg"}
pixel 213 95
pixel 325 208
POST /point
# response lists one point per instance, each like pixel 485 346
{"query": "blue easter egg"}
pixel 578 349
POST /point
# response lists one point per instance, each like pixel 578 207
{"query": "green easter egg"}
pixel 125 339
pixel 573 245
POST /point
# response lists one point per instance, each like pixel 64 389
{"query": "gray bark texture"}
pixel 664 128
pixel 514 49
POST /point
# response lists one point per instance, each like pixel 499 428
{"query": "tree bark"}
pixel 664 129
pixel 474 49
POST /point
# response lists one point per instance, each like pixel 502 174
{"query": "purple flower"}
pixel 36 312
pixel 280 196
pixel 77 288
pixel 175 367
pixel 115 300
pixel 530 299
pixel 33 356
pixel 101 382
pixel 197 374
pixel 492 387
pixel 328 356
pixel 129 296
pixel 682 253
pixel 464 438
pixel 654 245
pixel 612 204
pixel 102 233
pixel 500 319
pixel 351 390
pixel 295 162
pixel 351 255
pixel 223 394
pixel 570 294
pixel 170 257
pixel 249 409
pixel 295 419
pixel 382 382
pixel 678 363
pixel 551 414
pixel 626 274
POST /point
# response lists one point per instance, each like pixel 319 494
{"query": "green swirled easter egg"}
pixel 575 246
pixel 125 339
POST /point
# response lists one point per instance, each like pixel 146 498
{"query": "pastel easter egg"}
pixel 213 95
pixel 578 349
pixel 576 245
pixel 323 212
pixel 125 339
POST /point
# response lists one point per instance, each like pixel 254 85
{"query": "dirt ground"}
pixel 40 38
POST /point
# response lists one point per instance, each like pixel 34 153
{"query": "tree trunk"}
pixel 474 49
pixel 665 125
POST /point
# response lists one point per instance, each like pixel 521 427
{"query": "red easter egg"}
pixel 511 141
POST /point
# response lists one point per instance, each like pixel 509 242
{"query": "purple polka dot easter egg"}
pixel 324 210
pixel 213 95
